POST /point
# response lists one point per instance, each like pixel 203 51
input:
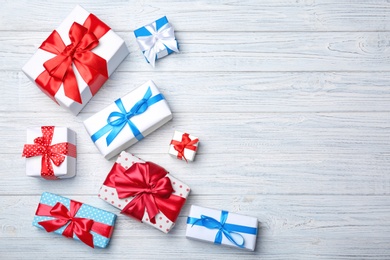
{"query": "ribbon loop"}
pixel 117 120
pixel 150 188
pixel 59 69
pixel 157 41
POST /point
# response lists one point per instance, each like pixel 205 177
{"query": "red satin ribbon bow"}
pixel 81 227
pixel 151 189
pixel 58 70
pixel 50 153
pixel 186 143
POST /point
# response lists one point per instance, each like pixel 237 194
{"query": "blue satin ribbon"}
pixel 116 121
pixel 223 228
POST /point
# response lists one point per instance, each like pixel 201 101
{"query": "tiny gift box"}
pixel 50 152
pixel 144 191
pixel 75 220
pixel 128 120
pixel 222 227
pixel 156 40
pixel 76 59
pixel 183 146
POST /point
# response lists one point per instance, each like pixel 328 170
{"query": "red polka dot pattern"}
pixel 51 153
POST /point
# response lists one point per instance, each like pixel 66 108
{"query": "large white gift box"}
pixel 128 120
pixel 222 227
pixel 76 59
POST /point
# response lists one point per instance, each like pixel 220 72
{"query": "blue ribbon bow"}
pixel 116 121
pixel 223 228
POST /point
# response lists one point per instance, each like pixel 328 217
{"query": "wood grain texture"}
pixel 290 100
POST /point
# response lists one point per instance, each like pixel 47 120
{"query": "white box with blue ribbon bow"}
pixel 128 120
pixel 222 227
pixel 156 40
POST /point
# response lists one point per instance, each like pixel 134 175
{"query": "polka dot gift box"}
pixel 75 220
pixel 144 191
pixel 50 152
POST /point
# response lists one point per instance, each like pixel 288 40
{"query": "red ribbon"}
pixel 55 153
pixel 81 227
pixel 58 70
pixel 186 143
pixel 151 188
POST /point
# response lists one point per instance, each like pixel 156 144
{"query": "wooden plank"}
pixel 237 51
pixel 224 91
pixel 283 153
pixel 231 133
pixel 206 16
pixel 254 174
pixel 296 227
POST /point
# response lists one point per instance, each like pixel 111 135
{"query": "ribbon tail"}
pixel 71 87
pixel 104 130
pixel 151 56
pixel 218 237
pixel 135 209
pixel 170 207
pixel 87 239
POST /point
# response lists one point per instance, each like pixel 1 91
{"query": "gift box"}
pixel 156 40
pixel 76 59
pixel 183 146
pixel 128 120
pixel 50 152
pixel 222 227
pixel 144 191
pixel 75 220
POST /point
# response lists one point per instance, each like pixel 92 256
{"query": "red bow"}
pixel 58 70
pixel 55 153
pixel 151 188
pixel 186 143
pixel 81 227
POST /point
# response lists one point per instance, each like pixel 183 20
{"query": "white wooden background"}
pixel 291 102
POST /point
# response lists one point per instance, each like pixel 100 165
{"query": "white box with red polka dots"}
pixel 136 175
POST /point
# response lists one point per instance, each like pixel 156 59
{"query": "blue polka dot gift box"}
pixel 144 191
pixel 74 219
pixel 222 227
pixel 156 40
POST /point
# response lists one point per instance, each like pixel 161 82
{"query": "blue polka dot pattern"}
pixel 85 211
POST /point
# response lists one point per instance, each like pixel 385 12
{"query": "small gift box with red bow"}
pixel 144 191
pixel 222 227
pixel 75 220
pixel 156 40
pixel 128 120
pixel 76 59
pixel 50 152
pixel 183 146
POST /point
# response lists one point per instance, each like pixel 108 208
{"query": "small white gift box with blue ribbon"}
pixel 128 120
pixel 156 40
pixel 222 227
